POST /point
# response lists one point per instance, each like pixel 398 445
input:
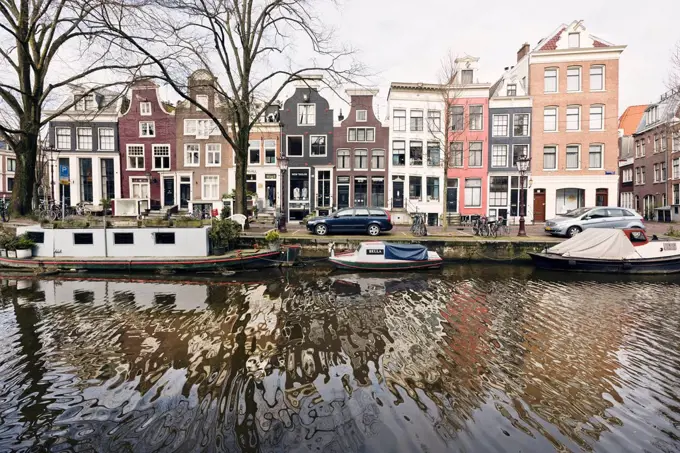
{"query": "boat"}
pixel 621 251
pixel 382 256
pixel 234 260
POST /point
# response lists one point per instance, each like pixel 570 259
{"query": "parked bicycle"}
pixel 4 210
pixel 200 214
pixel 480 226
pixel 419 226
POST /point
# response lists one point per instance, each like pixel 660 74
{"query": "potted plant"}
pixel 24 246
pixel 5 240
pixel 224 233
pixel 273 239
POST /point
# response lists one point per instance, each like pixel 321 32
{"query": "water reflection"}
pixel 466 359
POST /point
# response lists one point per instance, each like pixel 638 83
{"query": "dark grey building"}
pixel 307 123
pixel 84 140
pixel 509 139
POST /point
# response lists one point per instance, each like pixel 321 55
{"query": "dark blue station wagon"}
pixel 370 221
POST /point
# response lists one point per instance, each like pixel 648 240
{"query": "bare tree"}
pixel 45 45
pixel 255 46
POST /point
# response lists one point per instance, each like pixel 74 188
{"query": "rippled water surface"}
pixel 472 359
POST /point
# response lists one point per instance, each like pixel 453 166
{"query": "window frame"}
pixel 302 145
pixel 214 152
pixel 411 147
pixel 438 186
pixel 78 129
pixel 514 89
pixel 153 156
pixel 187 162
pixel 116 235
pixel 99 138
pixel 556 116
pixel 493 156
pixel 602 75
pixel 325 145
pixel 299 117
pixel 251 147
pixel 578 157
pixel 453 115
pixel 590 116
pixel 481 154
pixel 70 138
pixel 421 125
pixel 495 127
pixel 141 129
pixel 401 154
pixel 415 178
pixel 528 124
pixel 346 154
pixel 356 130
pixel 127 157
pixel 430 120
pixel 269 145
pixel 395 117
pixel 365 116
pixel 361 152
pixel 580 79
pixel 567 115
pixel 556 79
pixel 601 146
pixel 577 35
pixel 83 235
pixel 555 149
pixel 195 127
pixel 473 115
pixel 203 186
pixel 453 153
pixel 373 155
pixel 143 111
pixel 7 163
pixel 205 105
pixel 466 202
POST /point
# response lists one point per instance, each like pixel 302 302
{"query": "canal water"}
pixel 466 359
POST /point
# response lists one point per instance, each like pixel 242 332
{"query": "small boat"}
pixel 385 256
pixel 627 251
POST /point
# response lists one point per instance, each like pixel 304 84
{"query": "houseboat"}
pixel 386 256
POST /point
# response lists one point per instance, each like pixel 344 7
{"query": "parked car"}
pixel 573 222
pixel 352 220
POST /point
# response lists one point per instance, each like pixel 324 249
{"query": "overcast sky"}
pixel 405 40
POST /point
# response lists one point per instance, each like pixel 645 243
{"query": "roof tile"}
pixel 551 44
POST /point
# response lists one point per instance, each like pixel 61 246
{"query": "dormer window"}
pixel 574 40
pixel 145 108
pixel 84 102
pixel 362 115
pixel 466 76
pixel 512 89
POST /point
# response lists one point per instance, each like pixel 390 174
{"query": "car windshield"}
pixel 576 212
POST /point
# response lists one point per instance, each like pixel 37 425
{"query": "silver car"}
pixel 573 222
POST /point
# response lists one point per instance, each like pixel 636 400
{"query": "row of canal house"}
pixel 558 104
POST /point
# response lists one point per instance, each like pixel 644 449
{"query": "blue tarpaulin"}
pixel 408 252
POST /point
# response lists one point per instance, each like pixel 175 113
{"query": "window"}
pixel 663 173
pixel 476 117
pixel 596 78
pixel 595 157
pixel 82 239
pixel 574 78
pixel 574 40
pixel 416 120
pixel 627 175
pixel 638 175
pixel 549 158
pixel 251 182
pixel 475 154
pixel 498 191
pixel 520 124
pixel 360 195
pixel 596 117
pixel 399 121
pixel 517 152
pixel 294 146
pixel 306 114
pixel 398 153
pixel 105 139
pixel 206 128
pixel 36 236
pixel 644 175
pixel 161 157
pixel 63 138
pixel 164 238
pixel 573 157
pixel 550 119
pixel 457 118
pixel 378 159
pixel 499 156
pixel 211 187
pixel 361 134
pixel 377 195
pixel 362 116
pixel 86 188
pixel 500 125
pixel 657 172
pixel 664 143
pixel 270 151
pixel 473 192
pixel 573 118
pixel 123 238
pixel 415 187
pixel 11 165
pixel 433 154
pixel 145 108
pixel 318 145
pixel 511 90
pixel 323 189
pixel 139 188
pixel 84 102
pixel 676 142
pixel 434 120
pixel 192 155
pixel 10 184
pixel 432 189
pixel 254 151
pixel 147 129
pixel 135 157
pixel 466 76
pixel 360 159
pixel 415 153
pixel 550 80
pixel 657 148
pixel 343 160
pixel 203 100
pixel 456 154
pixel 107 179
pixel 213 155
pixel 676 168
pixel 84 138
pixel 189 127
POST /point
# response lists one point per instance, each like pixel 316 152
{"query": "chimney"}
pixel 340 116
pixel 522 51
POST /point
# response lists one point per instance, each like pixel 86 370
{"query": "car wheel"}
pixel 373 230
pixel 321 229
pixel 573 231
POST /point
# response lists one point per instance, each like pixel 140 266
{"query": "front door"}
pixel 539 205
pixel 270 193
pixel 398 192
pixel 169 191
pixel 343 196
pixel 601 197
pixel 184 192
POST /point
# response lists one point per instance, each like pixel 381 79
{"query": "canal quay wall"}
pixel 450 249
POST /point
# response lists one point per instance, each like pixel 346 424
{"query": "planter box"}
pixel 274 246
pixel 11 254
pixel 25 253
pixel 3 253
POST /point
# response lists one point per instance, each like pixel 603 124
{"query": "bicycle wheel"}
pixel 5 214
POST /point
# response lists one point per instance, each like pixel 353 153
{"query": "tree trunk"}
pixel 241 199
pixel 24 179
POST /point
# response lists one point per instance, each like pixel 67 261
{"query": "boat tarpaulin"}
pixel 407 252
pixel 597 243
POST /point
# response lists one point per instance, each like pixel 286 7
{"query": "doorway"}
pixel 343 192
pixel 184 192
pixel 602 197
pixel 270 192
pixel 398 193
pixel 539 205
pixel 452 195
pixel 168 191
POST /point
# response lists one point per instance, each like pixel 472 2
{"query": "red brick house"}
pixel 147 133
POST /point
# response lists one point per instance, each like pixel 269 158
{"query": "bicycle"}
pixel 4 210
pixel 419 228
pixel 480 226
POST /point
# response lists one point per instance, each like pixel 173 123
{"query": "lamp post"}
pixel 283 165
pixel 52 160
pixel 523 167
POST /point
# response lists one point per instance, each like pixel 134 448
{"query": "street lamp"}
pixel 283 165
pixel 523 167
